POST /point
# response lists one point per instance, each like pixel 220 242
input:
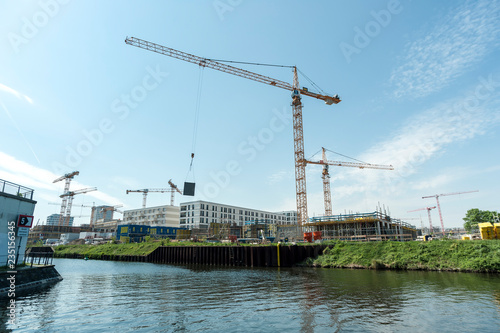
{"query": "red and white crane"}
pixel 439 207
pixel 429 214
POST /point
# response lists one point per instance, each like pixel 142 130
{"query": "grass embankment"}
pixel 134 249
pixel 448 255
pixel 97 251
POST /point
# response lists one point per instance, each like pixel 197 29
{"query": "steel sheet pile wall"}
pixel 249 256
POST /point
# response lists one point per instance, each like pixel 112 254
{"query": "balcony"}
pixel 15 189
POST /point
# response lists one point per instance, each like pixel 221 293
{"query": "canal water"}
pixel 106 296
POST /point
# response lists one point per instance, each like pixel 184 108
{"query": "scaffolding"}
pixel 375 226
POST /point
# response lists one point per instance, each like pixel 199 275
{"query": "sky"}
pixel 419 83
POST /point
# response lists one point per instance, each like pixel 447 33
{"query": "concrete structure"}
pixel 54 220
pixel 159 216
pixel 374 226
pixel 199 214
pixel 104 213
pixel 106 226
pixel 291 217
pixel 66 238
pixel 53 232
pixel 15 200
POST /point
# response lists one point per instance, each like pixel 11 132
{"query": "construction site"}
pixel 371 226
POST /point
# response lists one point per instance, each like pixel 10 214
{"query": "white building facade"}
pixel 159 216
pixel 199 214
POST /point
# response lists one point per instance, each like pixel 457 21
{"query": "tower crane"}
pixel 104 210
pixel 69 195
pixel 428 213
pixel 297 91
pixel 439 207
pixel 173 189
pixel 326 176
pixel 68 178
pixel 146 191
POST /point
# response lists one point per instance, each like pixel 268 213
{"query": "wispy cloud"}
pixel 16 93
pixel 459 41
pixel 14 170
pixel 279 176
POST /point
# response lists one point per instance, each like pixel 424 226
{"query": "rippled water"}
pixel 104 296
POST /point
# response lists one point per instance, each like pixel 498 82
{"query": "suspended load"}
pixel 189 188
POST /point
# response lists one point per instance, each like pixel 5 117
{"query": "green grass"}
pixel 453 255
pixel 138 249
pixel 96 251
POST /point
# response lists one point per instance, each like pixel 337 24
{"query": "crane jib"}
pixel 224 68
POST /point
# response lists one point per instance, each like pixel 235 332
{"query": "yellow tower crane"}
pixel 326 176
pixel 297 91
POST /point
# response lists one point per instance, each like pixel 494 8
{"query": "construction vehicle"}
pixel 296 90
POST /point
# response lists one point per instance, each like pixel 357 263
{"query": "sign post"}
pixel 24 223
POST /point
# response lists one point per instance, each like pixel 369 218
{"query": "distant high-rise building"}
pixel 54 220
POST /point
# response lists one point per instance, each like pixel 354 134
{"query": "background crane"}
pixel 69 195
pixel 326 176
pixel 157 190
pixel 298 135
pixel 439 207
pixel 429 214
pixel 68 177
pixel 104 210
pixel 173 189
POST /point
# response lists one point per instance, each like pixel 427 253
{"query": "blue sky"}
pixel 419 83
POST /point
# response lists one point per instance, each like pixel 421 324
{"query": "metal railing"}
pixel 15 189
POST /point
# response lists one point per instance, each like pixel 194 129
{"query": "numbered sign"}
pixel 25 221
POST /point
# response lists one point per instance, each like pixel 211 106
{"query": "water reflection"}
pixel 127 297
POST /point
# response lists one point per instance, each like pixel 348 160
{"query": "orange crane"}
pixel 326 176
pixel 68 178
pixel 439 207
pixel 297 91
pixel 173 189
pixel 428 213
pixel 69 195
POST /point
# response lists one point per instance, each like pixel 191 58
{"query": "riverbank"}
pixel 110 250
pixel 445 255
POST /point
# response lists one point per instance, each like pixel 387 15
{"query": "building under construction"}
pixel 375 226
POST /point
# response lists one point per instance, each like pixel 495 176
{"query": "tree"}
pixel 475 216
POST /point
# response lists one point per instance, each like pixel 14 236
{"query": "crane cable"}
pixel 319 151
pixel 196 118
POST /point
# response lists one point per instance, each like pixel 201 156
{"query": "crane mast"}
pixel 428 214
pixel 439 206
pixel 298 135
pixel 64 202
pixel 70 195
pixel 326 175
